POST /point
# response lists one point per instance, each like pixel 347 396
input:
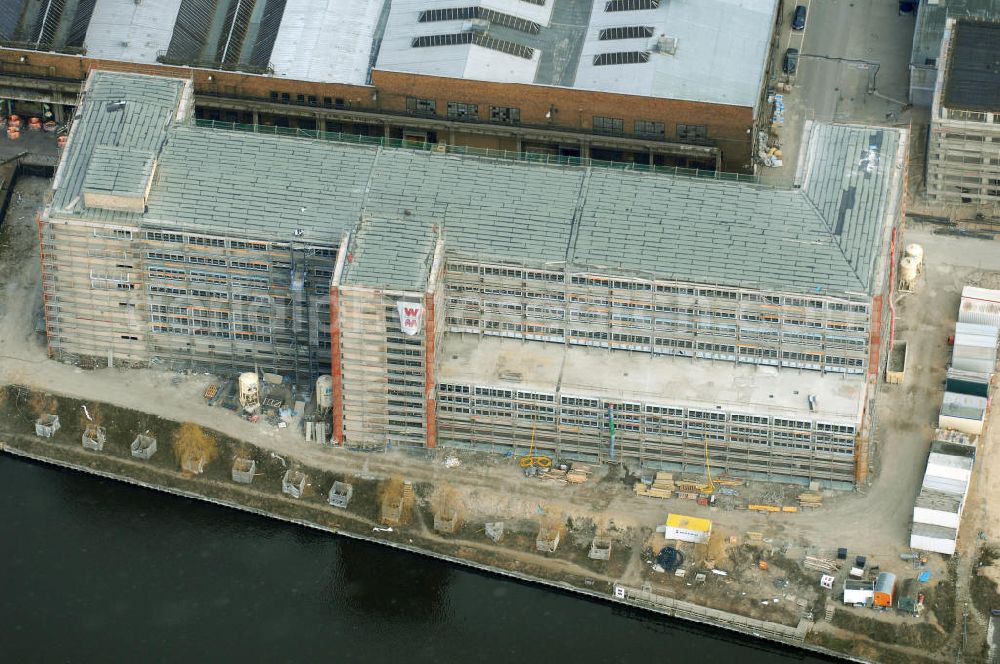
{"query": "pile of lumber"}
pixel 662 486
pixel 809 499
pixel 687 486
pixel 578 474
pixel 727 481
pixel 554 475
pixel 821 565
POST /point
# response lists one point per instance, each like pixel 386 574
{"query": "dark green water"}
pixel 98 571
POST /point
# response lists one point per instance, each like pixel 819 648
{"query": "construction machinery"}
pixel 709 487
pixel 531 459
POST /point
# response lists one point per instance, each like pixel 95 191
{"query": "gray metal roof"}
pixel 118 171
pixel 126 112
pixel 825 237
pixel 391 253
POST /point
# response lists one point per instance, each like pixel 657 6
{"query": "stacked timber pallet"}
pixel 821 565
pixel 553 475
pixel 662 486
pixel 578 474
pixel 810 500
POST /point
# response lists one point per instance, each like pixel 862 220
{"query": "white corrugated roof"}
pixel 124 30
pixel 326 40
pixel 722 48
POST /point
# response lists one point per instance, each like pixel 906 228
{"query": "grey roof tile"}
pixel 817 238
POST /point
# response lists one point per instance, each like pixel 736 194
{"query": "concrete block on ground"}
pixel 46 426
pixel 293 483
pixel 446 521
pixel 600 549
pixel 547 540
pixel 243 470
pixel 94 437
pixel 494 530
pixel 144 446
pixel 340 494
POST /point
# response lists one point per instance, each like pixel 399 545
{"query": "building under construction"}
pixel 595 313
pixel 963 165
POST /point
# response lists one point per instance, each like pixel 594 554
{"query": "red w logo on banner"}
pixel 409 316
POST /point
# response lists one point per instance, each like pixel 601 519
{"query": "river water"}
pixel 96 570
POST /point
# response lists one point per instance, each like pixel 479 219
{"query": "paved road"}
pixel 847 49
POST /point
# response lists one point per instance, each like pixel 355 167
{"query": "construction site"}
pixel 443 311
pixel 710 398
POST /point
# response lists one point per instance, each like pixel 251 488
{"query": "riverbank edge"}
pixel 13 450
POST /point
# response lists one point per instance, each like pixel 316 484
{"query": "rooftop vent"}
pixel 665 45
pixel 476 25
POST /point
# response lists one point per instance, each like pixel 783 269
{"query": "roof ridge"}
pixel 828 227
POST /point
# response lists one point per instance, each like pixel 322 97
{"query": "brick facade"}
pixel 57 77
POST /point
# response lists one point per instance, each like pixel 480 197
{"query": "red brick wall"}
pixel 575 109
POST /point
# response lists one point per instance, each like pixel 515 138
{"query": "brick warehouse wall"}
pixel 60 77
pixel 575 109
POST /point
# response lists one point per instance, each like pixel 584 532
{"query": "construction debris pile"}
pixel 576 473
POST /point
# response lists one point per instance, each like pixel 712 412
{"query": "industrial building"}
pixel 963 163
pixel 645 81
pixel 596 313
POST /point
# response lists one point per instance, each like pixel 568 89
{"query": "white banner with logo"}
pixel 410 316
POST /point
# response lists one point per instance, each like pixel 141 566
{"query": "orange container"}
pixel 14 121
pixel 13 133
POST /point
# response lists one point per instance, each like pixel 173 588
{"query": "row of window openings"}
pixel 615 284
pixel 972 116
pixel 489 306
pixel 507 115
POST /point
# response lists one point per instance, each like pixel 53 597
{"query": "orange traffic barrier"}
pixel 34 123
pixel 61 142
pixel 13 133
pixel 14 121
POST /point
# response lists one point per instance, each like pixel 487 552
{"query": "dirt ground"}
pixel 874 521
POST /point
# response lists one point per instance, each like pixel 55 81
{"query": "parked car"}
pixel 799 18
pixel 791 61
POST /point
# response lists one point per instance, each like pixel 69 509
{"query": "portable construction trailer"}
pixel 858 592
pixel 938 508
pixel 980 306
pixel 885 590
pixel 972 383
pixel 939 539
pixel 950 461
pixel 963 412
pixel 688 529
